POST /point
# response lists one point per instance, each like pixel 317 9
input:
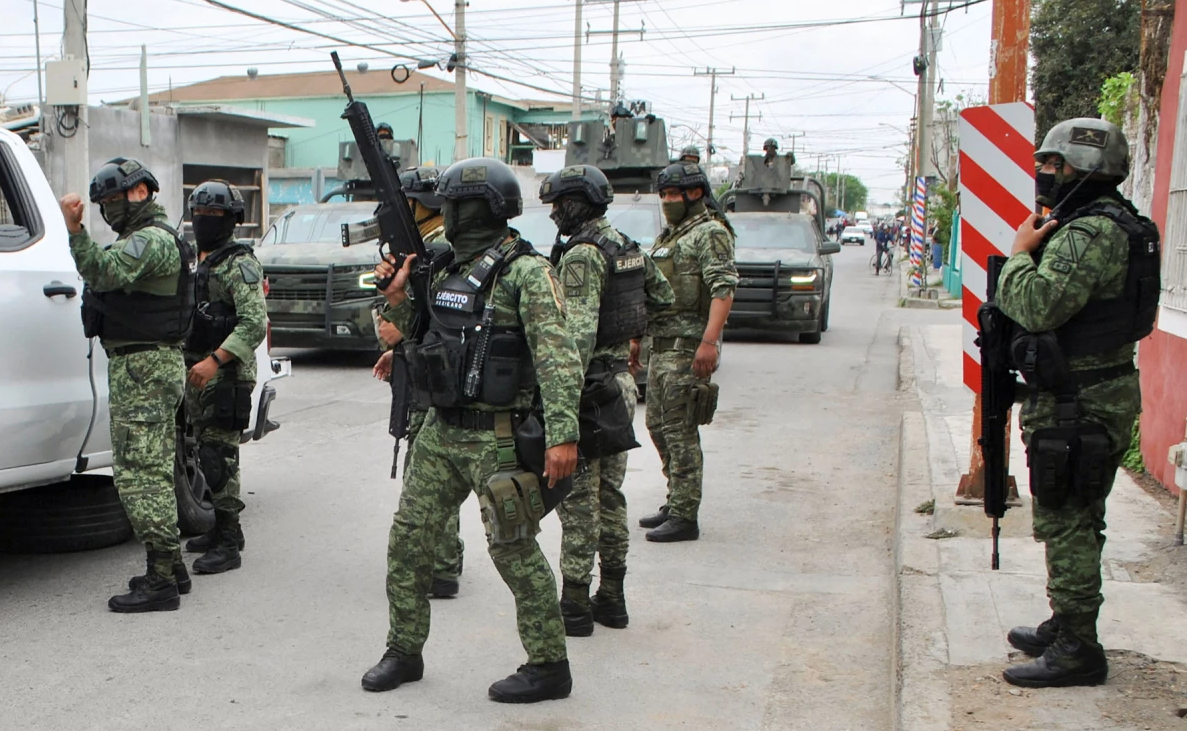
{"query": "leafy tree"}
pixel 856 195
pixel 1076 45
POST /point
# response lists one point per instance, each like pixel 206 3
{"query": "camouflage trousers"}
pixel 447 464
pixel 1074 534
pixel 593 516
pixel 676 435
pixel 215 443
pixel 447 560
pixel 145 391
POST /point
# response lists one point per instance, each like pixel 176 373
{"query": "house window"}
pixel 1174 240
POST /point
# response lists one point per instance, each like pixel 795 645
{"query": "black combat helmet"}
pixel 483 177
pixel 119 175
pixel 420 184
pixel 584 179
pixel 691 151
pixel 683 175
pixel 221 195
pixel 384 131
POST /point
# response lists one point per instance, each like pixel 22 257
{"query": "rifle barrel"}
pixel 342 75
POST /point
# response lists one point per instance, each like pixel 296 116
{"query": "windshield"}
pixel 766 231
pixel 315 225
pixel 638 219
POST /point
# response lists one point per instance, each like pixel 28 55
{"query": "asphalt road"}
pixel 777 618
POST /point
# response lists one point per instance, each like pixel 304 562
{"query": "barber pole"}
pixel 918 231
pixel 996 195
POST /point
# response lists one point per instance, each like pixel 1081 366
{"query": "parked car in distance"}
pixel 854 235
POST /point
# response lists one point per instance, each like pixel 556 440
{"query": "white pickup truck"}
pixel 53 387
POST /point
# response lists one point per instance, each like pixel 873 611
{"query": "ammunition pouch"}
pixel 503 369
pixel 438 364
pixel 512 506
pixel 604 418
pixel 228 405
pixel 702 403
pixel 1069 462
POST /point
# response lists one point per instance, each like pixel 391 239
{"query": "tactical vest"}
pixel 688 283
pixel 140 316
pixel 1104 325
pixel 213 321
pixel 464 357
pixel 622 313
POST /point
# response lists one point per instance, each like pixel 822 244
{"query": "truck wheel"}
pixel 195 511
pixel 824 318
pixel 81 514
pixel 810 338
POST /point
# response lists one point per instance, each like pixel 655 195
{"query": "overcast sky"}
pixel 843 87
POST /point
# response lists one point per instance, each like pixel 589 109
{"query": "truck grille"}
pixel 308 284
pixel 761 285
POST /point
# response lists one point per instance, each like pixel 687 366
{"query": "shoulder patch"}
pixel 1077 240
pixel 136 245
pixel 1063 266
pixel 575 278
pixel 721 246
pixel 249 270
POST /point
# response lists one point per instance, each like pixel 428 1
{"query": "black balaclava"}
pixel 211 232
pixel 573 212
pixel 471 228
pixel 1063 189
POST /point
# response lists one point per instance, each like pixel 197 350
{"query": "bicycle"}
pixel 882 260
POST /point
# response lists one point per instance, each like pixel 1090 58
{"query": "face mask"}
pixel 471 228
pixel 1052 188
pixel 211 232
pixel 674 211
pixel 115 213
pixel 572 214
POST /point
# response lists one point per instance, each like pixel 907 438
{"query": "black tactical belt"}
pixel 687 344
pixel 603 366
pixel 130 349
pixel 475 420
pixel 1097 376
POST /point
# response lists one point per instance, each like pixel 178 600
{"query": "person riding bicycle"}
pixel 884 239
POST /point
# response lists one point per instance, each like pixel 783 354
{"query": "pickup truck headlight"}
pixel 367 280
pixel 804 281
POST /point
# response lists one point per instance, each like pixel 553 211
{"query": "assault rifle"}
pixel 398 235
pixel 998 387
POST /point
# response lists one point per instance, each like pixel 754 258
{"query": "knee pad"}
pixel 218 462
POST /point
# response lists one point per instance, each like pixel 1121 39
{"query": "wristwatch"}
pixel 217 359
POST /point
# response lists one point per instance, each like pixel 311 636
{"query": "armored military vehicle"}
pixel 784 260
pixel 322 293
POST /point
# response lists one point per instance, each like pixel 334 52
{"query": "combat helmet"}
pixel 1088 145
pixel 691 151
pixel 420 184
pixel 119 175
pixel 483 177
pixel 683 175
pixel 221 195
pixel 584 179
pixel 770 144
pixel 384 127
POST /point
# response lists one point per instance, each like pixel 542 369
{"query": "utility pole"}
pixel 746 117
pixel 37 46
pixel 793 135
pixel 577 64
pixel 928 41
pixel 76 150
pixel 1009 46
pixel 615 60
pixel 461 132
pixel 712 74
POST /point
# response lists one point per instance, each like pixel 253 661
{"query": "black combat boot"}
pixel 203 543
pixel 393 670
pixel 656 519
pixel 675 529
pixel 180 574
pixel 443 588
pixel 609 603
pixel 547 681
pixel 576 610
pixel 1075 658
pixel 224 554
pixel 1034 641
pixel 158 591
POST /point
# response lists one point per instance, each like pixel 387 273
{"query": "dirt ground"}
pixel 1168 563
pixel 1142 693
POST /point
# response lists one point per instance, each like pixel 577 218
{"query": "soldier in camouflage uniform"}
pixel 1084 287
pixel 610 285
pixel 420 185
pixel 139 300
pixel 495 284
pixel 695 252
pixel 230 323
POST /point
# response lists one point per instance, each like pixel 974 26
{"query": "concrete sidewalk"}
pixel 954 612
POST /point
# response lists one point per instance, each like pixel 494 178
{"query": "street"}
pixel 779 617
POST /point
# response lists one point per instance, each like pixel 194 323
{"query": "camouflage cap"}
pixel 218 194
pixel 1090 146
pixel 119 175
pixel 483 177
pixel 585 180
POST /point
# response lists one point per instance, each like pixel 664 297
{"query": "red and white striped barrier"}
pixel 997 193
